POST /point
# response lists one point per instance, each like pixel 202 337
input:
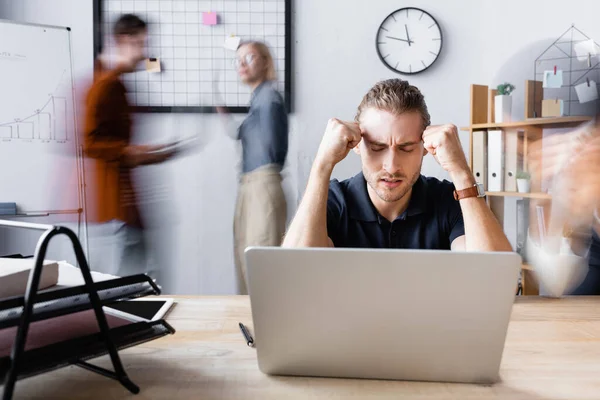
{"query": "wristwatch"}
pixel 474 191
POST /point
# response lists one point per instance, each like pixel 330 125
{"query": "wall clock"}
pixel 409 40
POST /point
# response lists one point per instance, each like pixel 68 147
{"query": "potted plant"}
pixel 503 103
pixel 523 182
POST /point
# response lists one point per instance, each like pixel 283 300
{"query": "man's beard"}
pixel 391 195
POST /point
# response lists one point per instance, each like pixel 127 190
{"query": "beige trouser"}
pixel 260 216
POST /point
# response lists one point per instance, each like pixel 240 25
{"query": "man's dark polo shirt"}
pixel 432 220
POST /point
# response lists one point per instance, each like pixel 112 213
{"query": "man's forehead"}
pixel 379 125
pixel 396 133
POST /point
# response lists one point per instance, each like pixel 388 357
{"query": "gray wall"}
pixel 335 62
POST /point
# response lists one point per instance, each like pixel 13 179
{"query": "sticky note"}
pixel 153 65
pixel 552 80
pixel 587 91
pixel 552 108
pixel 209 18
pixel 232 43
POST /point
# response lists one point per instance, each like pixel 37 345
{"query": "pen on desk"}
pixel 247 336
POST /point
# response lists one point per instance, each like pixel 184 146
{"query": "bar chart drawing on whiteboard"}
pixel 47 123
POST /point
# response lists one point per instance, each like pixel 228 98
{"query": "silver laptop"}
pixel 381 314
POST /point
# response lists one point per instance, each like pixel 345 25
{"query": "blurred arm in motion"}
pixel 107 136
pixel 571 163
pixel 231 124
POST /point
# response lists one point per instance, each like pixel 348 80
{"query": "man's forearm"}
pixel 483 232
pixel 104 147
pixel 139 155
pixel 309 226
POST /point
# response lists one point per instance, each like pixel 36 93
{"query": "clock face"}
pixel 409 41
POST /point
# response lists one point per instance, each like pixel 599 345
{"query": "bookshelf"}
pixel 530 129
pixel 554 122
pixel 517 194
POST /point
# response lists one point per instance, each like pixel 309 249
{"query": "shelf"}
pixel 517 194
pixel 558 122
pixel 527 267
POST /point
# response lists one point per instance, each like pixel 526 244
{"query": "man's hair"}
pixel 395 96
pixel 129 24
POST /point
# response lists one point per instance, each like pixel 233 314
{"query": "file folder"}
pixel 495 161
pixel 511 149
pixel 480 157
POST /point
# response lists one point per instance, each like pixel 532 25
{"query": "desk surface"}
pixel 552 352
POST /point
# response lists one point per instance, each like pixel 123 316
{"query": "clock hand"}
pixel 395 38
pixel 408 37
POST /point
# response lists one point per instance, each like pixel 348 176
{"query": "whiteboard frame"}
pixel 98 37
pixel 82 217
pixel 10 21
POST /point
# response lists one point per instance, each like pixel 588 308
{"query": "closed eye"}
pixel 407 149
pixel 377 148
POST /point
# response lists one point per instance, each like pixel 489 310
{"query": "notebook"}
pixel 14 274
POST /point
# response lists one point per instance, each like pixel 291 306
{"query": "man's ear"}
pixel 425 151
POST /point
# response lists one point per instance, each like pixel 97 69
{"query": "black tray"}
pixel 75 351
pixel 57 302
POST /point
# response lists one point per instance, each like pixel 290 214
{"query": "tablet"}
pixel 143 309
pixel 179 145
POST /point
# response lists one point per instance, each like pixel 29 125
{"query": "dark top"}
pixel 264 133
pixel 432 220
pixel 591 283
pixel 110 192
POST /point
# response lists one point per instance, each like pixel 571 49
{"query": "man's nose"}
pixel 392 162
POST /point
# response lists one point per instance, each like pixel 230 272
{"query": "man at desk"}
pixel 390 204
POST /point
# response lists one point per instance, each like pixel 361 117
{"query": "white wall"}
pixel 335 63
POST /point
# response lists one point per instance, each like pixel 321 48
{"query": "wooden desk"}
pixel 552 352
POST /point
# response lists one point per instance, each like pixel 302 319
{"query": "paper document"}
pixel 586 49
pixel 179 146
pixel 232 43
pixel 55 330
pixel 553 108
pixel 587 91
pixel 14 275
pixel 552 80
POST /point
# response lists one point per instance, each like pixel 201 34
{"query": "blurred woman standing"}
pixel 261 209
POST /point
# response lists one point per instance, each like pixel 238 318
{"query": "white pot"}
pixel 502 108
pixel 523 185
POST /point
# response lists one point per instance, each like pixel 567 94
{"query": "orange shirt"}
pixel 109 190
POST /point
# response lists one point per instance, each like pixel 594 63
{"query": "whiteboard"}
pixel 38 141
pixel 197 71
